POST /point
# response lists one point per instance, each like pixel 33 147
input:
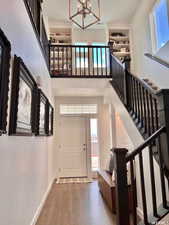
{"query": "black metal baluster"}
pixel 101 55
pixel 93 61
pixel 134 193
pixel 156 114
pixel 141 105
pixel 71 60
pixel 132 95
pixel 143 189
pixel 106 64
pixel 76 60
pixel 67 65
pixel 144 106
pixel 148 113
pixel 80 61
pixel 62 60
pixel 152 115
pixel 153 185
pixel 88 49
pixel 135 98
pixel 84 61
pixel 97 57
pixel 138 102
pixel 58 66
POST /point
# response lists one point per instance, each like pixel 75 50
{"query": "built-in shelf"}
pixel 61 35
pixel 119 43
pixel 118 38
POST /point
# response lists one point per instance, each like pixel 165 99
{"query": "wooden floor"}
pixel 75 204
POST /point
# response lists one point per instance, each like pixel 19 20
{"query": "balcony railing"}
pixel 34 8
pixel 80 61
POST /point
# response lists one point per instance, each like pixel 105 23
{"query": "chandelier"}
pixel 84 13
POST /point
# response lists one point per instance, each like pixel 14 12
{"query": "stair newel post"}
pixel 163 110
pixel 126 63
pixel 122 202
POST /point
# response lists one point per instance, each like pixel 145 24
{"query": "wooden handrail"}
pixel 156 59
pixel 146 143
pixel 79 46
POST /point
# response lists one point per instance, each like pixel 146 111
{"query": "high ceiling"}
pixel 112 11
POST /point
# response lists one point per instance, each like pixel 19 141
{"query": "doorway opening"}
pixel 95 162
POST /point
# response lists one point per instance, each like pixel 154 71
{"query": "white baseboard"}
pixel 38 211
pixel 140 213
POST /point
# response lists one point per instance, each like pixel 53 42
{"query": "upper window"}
pixel 81 55
pixel 81 49
pixel 160 17
pixel 78 109
pixel 99 55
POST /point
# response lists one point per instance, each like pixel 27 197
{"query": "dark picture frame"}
pixel 50 119
pixel 5 55
pixel 42 113
pixel 23 100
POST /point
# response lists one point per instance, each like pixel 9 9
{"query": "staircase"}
pixel 148 107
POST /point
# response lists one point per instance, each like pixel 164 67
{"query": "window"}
pixel 82 50
pixel 160 23
pixel 99 55
pixel 81 62
pixel 78 109
pixel 82 53
pixel 94 144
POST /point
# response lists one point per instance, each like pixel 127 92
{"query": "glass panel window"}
pixel 81 62
pixel 99 55
pixel 82 50
pixel 81 55
pixel 78 109
pixel 161 23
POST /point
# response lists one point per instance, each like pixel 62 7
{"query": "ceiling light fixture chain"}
pixel 84 13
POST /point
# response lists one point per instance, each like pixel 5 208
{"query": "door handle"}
pixel 84 147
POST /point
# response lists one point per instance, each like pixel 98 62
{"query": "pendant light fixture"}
pixel 84 13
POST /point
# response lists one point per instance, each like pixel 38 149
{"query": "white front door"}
pixel 72 147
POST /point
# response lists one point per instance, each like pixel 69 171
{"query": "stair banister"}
pixel 121 173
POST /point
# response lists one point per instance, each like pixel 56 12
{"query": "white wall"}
pixel 89 35
pixel 141 44
pixel 26 167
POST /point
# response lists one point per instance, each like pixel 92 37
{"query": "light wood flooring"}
pixel 75 204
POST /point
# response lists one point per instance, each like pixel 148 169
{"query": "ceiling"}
pixel 112 11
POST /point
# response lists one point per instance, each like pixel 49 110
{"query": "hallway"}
pixel 75 204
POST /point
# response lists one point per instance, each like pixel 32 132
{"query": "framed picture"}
pixel 50 112
pixel 42 109
pixel 23 100
pixel 5 50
